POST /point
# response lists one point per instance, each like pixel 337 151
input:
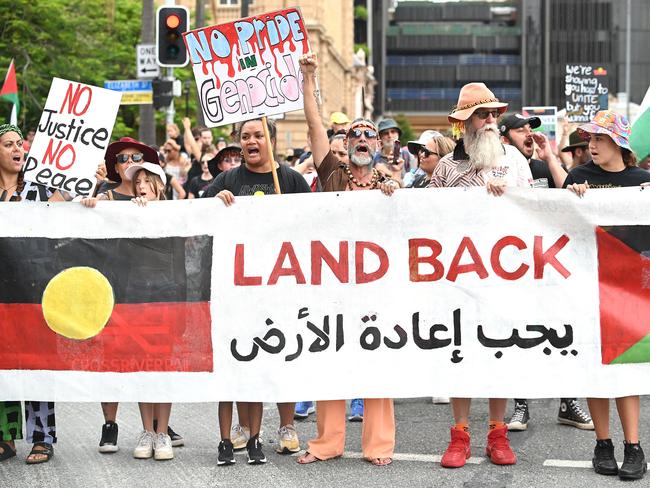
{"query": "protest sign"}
pixel 249 68
pixel 586 91
pixel 543 288
pixel 72 136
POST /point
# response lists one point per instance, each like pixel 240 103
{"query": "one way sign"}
pixel 146 66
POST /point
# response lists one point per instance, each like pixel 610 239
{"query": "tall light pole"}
pixel 628 55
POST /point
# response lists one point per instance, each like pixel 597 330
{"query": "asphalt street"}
pixel 422 436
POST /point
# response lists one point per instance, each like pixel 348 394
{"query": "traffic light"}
pixel 170 25
pixel 163 93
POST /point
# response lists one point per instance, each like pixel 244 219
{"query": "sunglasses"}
pixel 356 133
pixel 426 153
pixel 484 114
pixel 123 158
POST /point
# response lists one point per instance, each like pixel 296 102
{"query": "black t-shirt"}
pixel 241 182
pixel 197 186
pixel 599 178
pixel 542 177
pixel 109 189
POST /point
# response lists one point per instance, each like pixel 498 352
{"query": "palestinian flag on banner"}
pixel 639 139
pixel 624 282
pixel 118 305
pixel 9 92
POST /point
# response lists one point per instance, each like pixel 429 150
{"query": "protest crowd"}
pixel 485 147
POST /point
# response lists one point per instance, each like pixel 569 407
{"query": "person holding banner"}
pixel 120 156
pixel 361 142
pixel 256 176
pixel 480 159
pixel 613 165
pixel 39 416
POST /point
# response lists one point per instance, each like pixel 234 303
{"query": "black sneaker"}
pixel 108 443
pixel 634 465
pixel 520 417
pixel 571 413
pixel 604 461
pixel 226 453
pixel 177 439
pixel 254 450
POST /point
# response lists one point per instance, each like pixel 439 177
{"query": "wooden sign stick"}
pixel 276 182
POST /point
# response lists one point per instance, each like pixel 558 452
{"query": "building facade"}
pixel 519 48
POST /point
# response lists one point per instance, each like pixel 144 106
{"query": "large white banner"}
pixel 430 292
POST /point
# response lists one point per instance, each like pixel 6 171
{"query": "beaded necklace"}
pixel 372 183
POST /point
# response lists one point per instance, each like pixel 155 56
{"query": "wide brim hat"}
pixel 150 155
pixel 575 141
pixel 471 97
pixel 611 124
pixel 212 164
pixel 415 146
pixel 151 167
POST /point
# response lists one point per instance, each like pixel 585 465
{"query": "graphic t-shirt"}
pixel 32 192
pixel 599 178
pixel 198 185
pixel 242 182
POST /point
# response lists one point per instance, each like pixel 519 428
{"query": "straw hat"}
pixel 471 97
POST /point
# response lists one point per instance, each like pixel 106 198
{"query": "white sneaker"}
pixel 144 448
pixel 162 447
pixel 239 437
pixel 287 440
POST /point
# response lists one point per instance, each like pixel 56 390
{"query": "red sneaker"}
pixel 458 450
pixel 498 447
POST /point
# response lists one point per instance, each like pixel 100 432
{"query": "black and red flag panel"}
pixel 624 282
pixel 118 305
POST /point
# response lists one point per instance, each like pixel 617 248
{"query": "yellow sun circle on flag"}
pixel 78 302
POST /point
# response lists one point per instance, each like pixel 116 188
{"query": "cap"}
pixel 515 121
pixel 387 124
pixel 426 136
pixel 151 167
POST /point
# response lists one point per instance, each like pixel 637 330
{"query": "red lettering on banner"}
pixel 240 278
pixel 72 100
pixel 495 258
pixel 361 275
pixel 476 266
pixel 286 251
pixel 319 253
pixel 51 154
pixel 542 258
pixel 415 259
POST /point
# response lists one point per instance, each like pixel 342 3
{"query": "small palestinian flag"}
pixel 624 281
pixel 118 305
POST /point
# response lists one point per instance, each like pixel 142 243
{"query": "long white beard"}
pixel 483 146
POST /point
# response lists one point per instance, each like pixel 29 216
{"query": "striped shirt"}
pixel 455 169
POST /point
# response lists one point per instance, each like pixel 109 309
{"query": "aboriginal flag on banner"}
pixel 624 282
pixel 118 305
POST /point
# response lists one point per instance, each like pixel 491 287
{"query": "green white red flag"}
pixel 9 92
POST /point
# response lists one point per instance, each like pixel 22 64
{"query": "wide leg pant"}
pixel 378 432
pixel 39 422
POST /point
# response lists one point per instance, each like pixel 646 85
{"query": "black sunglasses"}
pixel 123 158
pixel 485 114
pixel 426 153
pixel 356 133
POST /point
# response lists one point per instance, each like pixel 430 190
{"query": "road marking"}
pixel 407 456
pixel 566 463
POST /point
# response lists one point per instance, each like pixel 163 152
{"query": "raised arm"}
pixel 319 142
pixel 188 140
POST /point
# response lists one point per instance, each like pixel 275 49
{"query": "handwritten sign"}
pixel 72 136
pixel 515 287
pixel 586 91
pixel 249 68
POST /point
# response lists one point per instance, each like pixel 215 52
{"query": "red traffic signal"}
pixel 171 22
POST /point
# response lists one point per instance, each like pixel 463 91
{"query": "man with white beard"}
pixel 361 142
pixel 480 159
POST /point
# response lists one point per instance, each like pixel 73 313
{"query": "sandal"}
pixel 307 458
pixel 47 451
pixel 7 451
pixel 380 461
